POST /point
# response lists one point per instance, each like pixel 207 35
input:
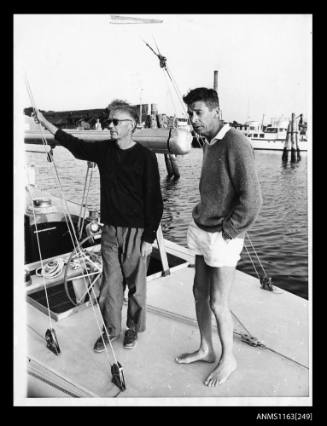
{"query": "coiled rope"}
pixel 51 269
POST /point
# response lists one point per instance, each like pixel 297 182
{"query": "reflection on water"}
pixel 279 236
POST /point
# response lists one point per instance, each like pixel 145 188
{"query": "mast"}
pixel 215 80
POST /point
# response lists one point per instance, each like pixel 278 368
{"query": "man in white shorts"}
pixel 230 200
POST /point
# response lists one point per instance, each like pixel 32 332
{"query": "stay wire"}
pixel 67 214
pixel 76 240
pixel 179 97
pixel 85 203
pixel 96 318
pixel 248 236
pixel 252 261
pixel 174 84
pixel 82 204
pixel 69 222
pixel 165 68
pixel 177 91
pixel 175 87
pixel 41 259
pixel 170 94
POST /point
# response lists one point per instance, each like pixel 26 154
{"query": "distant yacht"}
pixel 272 136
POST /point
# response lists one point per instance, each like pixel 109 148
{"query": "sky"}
pixel 84 61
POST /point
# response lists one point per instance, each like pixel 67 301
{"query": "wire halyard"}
pixel 163 64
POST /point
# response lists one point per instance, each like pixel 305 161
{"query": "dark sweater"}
pixel 129 182
pixel 230 196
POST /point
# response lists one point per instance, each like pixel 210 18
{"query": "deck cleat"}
pixel 52 342
pixel 118 376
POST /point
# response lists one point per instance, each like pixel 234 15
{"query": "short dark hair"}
pixel 209 96
pixel 120 105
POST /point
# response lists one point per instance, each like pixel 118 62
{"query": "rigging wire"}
pixel 85 204
pixel 73 237
pixel 70 225
pixel 252 261
pixel 82 204
pixel 163 64
pixel 170 94
pixel 248 236
pixel 41 259
pixel 264 279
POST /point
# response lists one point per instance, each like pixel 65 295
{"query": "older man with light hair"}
pixel 131 210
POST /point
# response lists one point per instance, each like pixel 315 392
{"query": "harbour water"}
pixel 279 236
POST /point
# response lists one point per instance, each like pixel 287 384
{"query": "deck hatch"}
pixel 60 305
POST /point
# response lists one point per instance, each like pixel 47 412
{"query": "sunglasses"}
pixel 116 121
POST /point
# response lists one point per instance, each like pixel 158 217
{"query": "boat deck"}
pixel 278 319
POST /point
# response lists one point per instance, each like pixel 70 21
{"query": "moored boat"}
pixel 272 136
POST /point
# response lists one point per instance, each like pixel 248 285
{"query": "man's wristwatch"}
pixel 226 236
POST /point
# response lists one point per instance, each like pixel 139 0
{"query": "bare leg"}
pixel 221 283
pixel 201 290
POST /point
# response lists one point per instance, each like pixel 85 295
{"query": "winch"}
pixel 93 228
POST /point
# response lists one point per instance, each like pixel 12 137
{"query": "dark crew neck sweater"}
pixel 130 194
pixel 230 195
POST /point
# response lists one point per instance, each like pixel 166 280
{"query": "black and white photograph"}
pixel 162 210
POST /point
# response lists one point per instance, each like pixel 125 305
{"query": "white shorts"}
pixel 215 250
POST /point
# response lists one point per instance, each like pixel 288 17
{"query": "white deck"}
pixel 279 320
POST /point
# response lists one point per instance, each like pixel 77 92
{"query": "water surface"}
pixel 279 236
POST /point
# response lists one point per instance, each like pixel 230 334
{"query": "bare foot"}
pixel 199 355
pixel 221 373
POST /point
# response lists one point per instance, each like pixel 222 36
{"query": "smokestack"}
pixel 215 86
pixel 215 80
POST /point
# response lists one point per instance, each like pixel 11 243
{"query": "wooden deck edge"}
pixel 51 378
